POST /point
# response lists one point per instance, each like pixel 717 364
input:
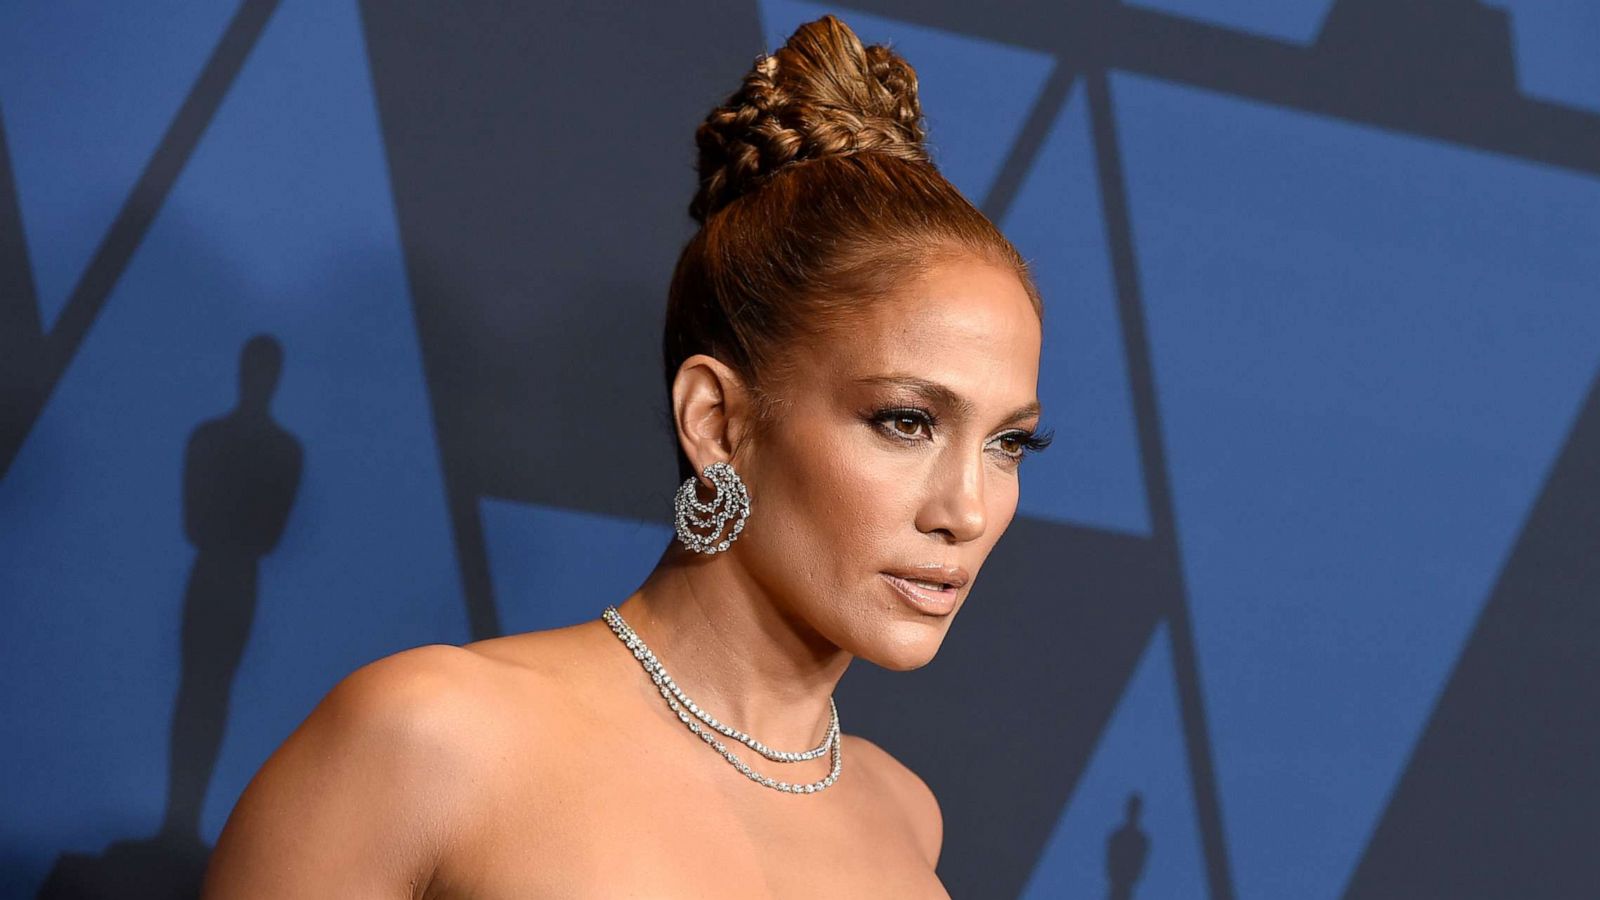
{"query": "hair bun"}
pixel 821 94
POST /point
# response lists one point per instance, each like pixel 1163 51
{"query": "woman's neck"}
pixel 729 646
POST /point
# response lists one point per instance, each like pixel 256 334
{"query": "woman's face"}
pixel 897 446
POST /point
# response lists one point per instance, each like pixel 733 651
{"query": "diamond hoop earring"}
pixel 731 499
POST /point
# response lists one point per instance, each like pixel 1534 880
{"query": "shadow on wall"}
pixel 1127 848
pixel 241 472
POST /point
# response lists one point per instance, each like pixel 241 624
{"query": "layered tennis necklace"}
pixel 693 716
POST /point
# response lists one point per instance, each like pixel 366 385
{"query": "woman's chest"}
pixel 625 836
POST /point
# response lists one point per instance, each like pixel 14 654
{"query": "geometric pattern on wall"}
pixel 1365 374
pixel 87 89
pixel 1130 824
pixel 1555 49
pixel 558 567
pixel 1058 223
pixel 280 226
pixel 1288 20
pixel 1403 292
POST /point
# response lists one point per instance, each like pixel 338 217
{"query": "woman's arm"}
pixel 362 799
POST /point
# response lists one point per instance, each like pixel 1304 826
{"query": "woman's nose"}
pixel 956 506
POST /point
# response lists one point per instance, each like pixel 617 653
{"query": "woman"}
pixel 852 357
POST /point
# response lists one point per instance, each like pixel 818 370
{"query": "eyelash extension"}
pixel 1036 441
pixel 1032 442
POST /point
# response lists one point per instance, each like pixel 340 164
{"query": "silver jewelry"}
pixel 731 499
pixel 653 665
pixel 673 695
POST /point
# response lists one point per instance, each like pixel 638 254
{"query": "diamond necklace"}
pixel 678 701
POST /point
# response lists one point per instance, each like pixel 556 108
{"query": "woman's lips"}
pixel 936 603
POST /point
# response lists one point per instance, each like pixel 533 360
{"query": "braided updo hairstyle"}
pixel 817 196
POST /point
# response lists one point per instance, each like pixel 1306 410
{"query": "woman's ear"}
pixel 710 407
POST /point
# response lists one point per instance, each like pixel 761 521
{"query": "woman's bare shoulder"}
pixel 430 671
pixel 365 791
pixel 550 653
pixel 907 790
pixel 469 700
pixel 434 686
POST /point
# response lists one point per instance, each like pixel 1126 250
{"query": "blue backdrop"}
pixel 307 309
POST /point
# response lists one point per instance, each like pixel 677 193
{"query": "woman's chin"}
pixel 905 652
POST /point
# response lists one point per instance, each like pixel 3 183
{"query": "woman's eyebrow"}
pixel 944 396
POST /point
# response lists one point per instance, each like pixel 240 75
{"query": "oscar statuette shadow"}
pixel 1127 848
pixel 241 473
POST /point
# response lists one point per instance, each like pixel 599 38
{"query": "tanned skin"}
pixel 546 764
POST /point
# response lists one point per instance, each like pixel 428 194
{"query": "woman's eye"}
pixel 907 425
pixel 915 424
pixel 1027 443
